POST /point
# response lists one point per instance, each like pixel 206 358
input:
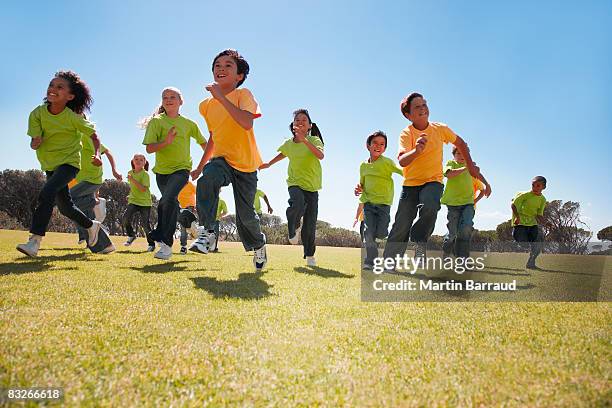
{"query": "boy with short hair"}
pixel 527 213
pixel 376 189
pixel 229 115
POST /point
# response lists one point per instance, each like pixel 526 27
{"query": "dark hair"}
pixel 146 165
pixel 405 105
pixel 378 133
pixel 241 63
pixel 541 179
pixel 82 96
pixel 314 129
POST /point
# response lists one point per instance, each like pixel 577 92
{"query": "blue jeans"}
pixel 531 234
pixel 376 218
pixel 425 199
pixel 84 197
pixel 55 191
pixel 217 173
pixel 460 227
pixel 304 204
pixel 170 185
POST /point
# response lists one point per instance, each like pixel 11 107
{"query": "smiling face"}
pixel 377 147
pixel 171 101
pixel 225 72
pixel 138 162
pixel 537 186
pixel 458 157
pixel 58 92
pixel 419 112
pixel 301 121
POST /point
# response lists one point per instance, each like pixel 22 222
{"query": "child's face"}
pixel 59 91
pixel 301 122
pixel 419 112
pixel 537 186
pixel 377 146
pixel 171 100
pixel 225 72
pixel 458 157
pixel 139 162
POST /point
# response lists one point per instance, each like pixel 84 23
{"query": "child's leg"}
pixel 464 231
pixel 296 208
pixel 370 219
pixel 429 199
pixel 217 227
pixel 309 228
pixel 127 220
pixel 400 232
pixel 535 239
pixel 168 206
pixel 247 222
pixel 84 197
pixel 216 174
pixel 384 218
pixel 453 217
pixel 145 220
pixel 183 222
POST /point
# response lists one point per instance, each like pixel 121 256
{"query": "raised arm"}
pixel 111 161
pixel 242 117
pixel 136 183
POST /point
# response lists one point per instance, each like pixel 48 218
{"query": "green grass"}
pixel 127 330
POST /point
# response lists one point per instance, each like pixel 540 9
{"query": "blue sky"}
pixel 526 84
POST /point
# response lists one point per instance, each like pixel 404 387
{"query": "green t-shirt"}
pixel 257 203
pixel 221 207
pixel 89 172
pixel 459 190
pixel 177 156
pixel 528 205
pixel 304 168
pixel 61 136
pixel 137 197
pixel 376 180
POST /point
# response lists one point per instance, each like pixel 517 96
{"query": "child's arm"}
pixel 358 214
pixel 455 172
pixel 408 157
pixel 96 160
pixel 465 152
pixel 244 118
pixel 479 196
pixel 265 197
pixel 154 147
pixel 36 142
pixel 318 153
pixel 487 191
pixel 276 159
pixel 209 149
pixel 111 160
pixel 517 219
pixel 136 183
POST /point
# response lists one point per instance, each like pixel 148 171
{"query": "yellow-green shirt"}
pixel 176 156
pixel 61 136
pixel 90 173
pixel 528 205
pixel 304 168
pixel 376 180
pixel 137 197
pixel 257 202
pixel 221 208
pixel 459 190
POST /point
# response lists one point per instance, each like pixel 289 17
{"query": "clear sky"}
pixel 527 84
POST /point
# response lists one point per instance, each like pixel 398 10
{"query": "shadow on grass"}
pixel 39 264
pixel 248 286
pixel 173 266
pixel 321 272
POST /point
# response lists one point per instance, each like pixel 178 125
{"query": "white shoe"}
pixel 165 252
pixel 205 243
pixel 108 249
pixel 92 232
pixel 311 261
pixel 294 240
pixel 31 247
pixel 100 210
pixel 260 259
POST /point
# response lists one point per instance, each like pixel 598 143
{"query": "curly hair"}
pixel 314 129
pixel 378 133
pixel 241 63
pixel 82 95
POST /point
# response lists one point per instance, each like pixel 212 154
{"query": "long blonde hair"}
pixel 144 122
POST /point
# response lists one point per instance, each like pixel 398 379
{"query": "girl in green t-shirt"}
pixel 139 200
pixel 55 128
pixel 305 152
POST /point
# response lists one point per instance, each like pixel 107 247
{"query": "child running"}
pixel 376 189
pixel 186 217
pixel 229 113
pixel 527 214
pixel 305 152
pixel 257 203
pixel 139 200
pixel 55 128
pixel 168 135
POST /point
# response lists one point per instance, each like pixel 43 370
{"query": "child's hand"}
pixel 358 190
pixel 355 222
pixel 487 191
pixel 171 135
pixel 420 144
pixel 195 174
pixel 36 142
pixel 96 161
pixel 517 220
pixel 300 132
pixel 270 211
pixel 130 178
pixel 215 90
pixel 264 166
pixel 117 176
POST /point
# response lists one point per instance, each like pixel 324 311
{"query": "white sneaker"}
pixel 260 259
pixel 108 249
pixel 31 247
pixel 205 243
pixel 311 261
pixel 92 232
pixel 165 252
pixel 294 240
pixel 100 210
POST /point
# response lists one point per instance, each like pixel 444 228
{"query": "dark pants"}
pixel 185 218
pixel 84 198
pixel 170 185
pixel 55 191
pixel 217 229
pixel 425 199
pixel 144 213
pixel 460 227
pixel 376 218
pixel 531 234
pixel 217 174
pixel 305 204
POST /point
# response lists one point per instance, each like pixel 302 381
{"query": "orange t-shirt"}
pixel 428 166
pixel 187 196
pixel 232 142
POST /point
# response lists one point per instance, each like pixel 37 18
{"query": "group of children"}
pixel 68 148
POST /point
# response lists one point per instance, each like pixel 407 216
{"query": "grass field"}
pixel 127 330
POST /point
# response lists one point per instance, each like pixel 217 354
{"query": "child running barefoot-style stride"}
pixel 168 135
pixel 527 216
pixel 139 200
pixel 56 128
pixel 305 152
pixel 234 157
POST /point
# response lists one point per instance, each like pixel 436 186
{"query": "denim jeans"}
pixel 531 234
pixel 217 173
pixel 425 199
pixel 460 227
pixel 376 218
pixel 170 185
pixel 185 218
pixel 145 214
pixel 84 198
pixel 55 191
pixel 304 204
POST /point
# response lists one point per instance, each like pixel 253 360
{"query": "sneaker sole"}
pixel 197 250
pixel 23 251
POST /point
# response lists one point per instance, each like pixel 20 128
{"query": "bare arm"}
pixel 405 158
pixel 265 197
pixel 154 147
pixel 455 172
pixel 242 117
pixel 276 159
pixel 209 149
pixel 111 160
pixel 318 153
pixel 358 214
pixel 136 183
pixel 515 215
